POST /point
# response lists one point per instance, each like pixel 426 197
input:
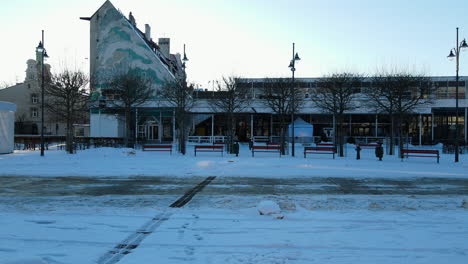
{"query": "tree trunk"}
pixel 69 137
pixel 181 135
pixel 392 133
pixel 400 136
pixel 127 126
pixel 340 135
pixel 282 135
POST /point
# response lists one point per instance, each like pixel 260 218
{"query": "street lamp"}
pixel 40 49
pixel 455 53
pixel 184 60
pixel 292 65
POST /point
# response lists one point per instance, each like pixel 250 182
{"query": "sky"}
pixel 251 38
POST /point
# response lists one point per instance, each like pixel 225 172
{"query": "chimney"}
pixel 132 19
pixel 147 32
pixel 165 45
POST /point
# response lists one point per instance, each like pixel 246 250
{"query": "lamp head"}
pixel 45 54
pixel 451 56
pixel 291 65
pixel 39 47
pixel 463 45
pixel 296 57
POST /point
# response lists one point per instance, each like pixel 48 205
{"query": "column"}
pixel 212 128
pixel 251 127
pixel 136 125
pixel 173 127
pixel 420 129
pixel 376 125
pixel 432 127
pixel 271 126
pixel 334 129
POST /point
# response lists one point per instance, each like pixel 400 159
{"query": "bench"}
pixel 368 146
pixel 422 153
pixel 158 148
pixel 208 148
pixel 268 148
pixel 319 150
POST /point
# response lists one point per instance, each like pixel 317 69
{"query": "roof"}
pixel 6 106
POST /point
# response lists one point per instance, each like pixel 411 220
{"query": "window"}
pixel 34 98
pixel 34 113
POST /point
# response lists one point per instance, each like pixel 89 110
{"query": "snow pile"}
pixel 268 207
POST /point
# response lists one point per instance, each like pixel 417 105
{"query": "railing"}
pixel 206 139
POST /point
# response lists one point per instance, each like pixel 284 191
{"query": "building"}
pixel 117 43
pixel 7 127
pixel 429 124
pixel 27 97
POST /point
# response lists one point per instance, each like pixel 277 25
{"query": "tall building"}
pixel 116 45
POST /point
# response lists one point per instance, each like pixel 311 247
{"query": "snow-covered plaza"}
pixel 78 208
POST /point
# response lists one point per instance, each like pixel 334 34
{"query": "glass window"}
pixel 34 113
pixel 34 98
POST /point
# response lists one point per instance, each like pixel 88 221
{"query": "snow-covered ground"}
pixel 229 229
pixel 107 162
pixel 225 227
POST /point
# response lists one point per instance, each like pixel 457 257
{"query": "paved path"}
pixel 87 186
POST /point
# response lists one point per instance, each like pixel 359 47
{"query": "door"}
pixel 153 132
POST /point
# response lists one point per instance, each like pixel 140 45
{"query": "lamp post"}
pixel 455 53
pixel 292 66
pixel 40 49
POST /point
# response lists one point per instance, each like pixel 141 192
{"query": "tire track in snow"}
pixel 134 240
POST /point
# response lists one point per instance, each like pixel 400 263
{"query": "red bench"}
pixel 368 146
pixel 422 153
pixel 319 150
pixel 268 148
pixel 158 148
pixel 208 148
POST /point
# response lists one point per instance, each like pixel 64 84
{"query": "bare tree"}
pixel 180 95
pixel 335 94
pixel 67 99
pixel 231 97
pixel 398 93
pixel 5 85
pixel 278 95
pixel 129 90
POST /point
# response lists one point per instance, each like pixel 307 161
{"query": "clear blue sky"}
pixel 251 38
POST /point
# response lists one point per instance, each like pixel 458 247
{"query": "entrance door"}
pixel 153 132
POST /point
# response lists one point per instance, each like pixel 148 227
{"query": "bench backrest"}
pixel 219 143
pixel 275 147
pixel 272 144
pixel 421 151
pixel 319 148
pixel 208 147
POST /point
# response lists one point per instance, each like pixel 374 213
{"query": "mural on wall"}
pixel 120 47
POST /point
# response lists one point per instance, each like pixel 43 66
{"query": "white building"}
pixel 7 127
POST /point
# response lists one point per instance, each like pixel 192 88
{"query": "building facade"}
pixel 117 44
pixel 428 124
pixel 27 97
